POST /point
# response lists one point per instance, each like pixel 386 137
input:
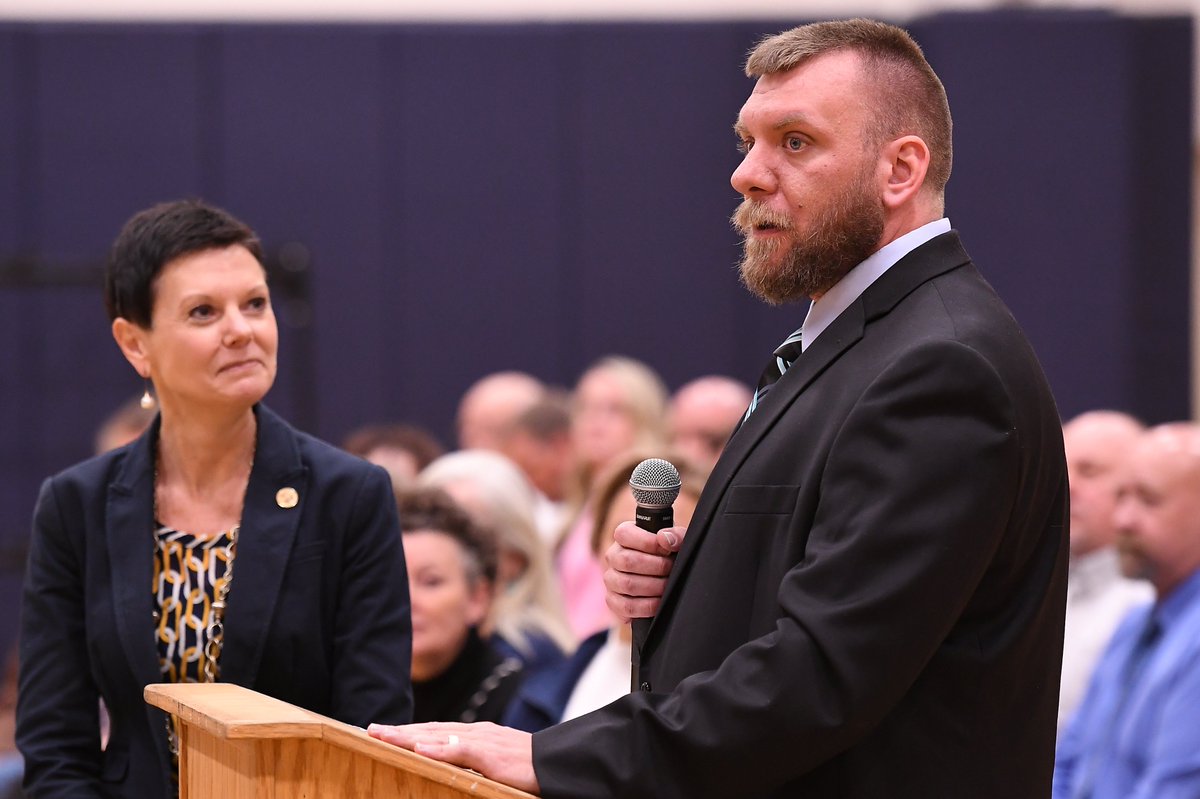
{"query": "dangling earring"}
pixel 147 401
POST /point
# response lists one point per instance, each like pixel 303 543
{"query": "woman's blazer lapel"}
pixel 268 531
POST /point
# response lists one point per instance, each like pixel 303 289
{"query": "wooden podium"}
pixel 239 744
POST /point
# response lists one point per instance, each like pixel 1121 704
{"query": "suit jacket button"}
pixel 645 686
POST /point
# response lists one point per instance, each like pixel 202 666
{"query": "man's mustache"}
pixel 750 215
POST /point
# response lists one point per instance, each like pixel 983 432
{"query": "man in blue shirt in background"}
pixel 1136 735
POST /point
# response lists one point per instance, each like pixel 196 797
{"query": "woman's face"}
pixel 602 426
pixel 445 603
pixel 213 338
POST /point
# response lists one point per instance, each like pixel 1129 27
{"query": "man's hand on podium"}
pixel 499 753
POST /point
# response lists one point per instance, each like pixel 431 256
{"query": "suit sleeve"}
pixel 914 498
pixel 373 626
pixel 58 726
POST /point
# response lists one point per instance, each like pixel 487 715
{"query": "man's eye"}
pixel 793 143
pixel 744 145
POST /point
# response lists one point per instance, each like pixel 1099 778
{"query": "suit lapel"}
pixel 935 257
pixel 129 534
pixel 836 339
pixel 265 539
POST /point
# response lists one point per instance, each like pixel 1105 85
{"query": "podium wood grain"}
pixel 239 744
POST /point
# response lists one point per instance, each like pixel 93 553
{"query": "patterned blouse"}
pixel 188 573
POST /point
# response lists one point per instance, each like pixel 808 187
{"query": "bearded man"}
pixel 869 599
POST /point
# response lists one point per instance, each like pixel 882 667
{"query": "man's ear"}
pixel 132 341
pixel 906 160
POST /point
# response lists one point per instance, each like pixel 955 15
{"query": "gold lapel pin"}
pixel 287 497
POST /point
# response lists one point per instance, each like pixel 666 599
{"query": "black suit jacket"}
pixel 869 601
pixel 317 612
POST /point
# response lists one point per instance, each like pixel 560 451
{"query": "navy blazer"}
pixel 545 691
pixel 317 613
pixel 869 601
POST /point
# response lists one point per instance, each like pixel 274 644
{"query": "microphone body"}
pixel 655 485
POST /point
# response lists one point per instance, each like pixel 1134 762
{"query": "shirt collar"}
pixel 1177 603
pixel 822 312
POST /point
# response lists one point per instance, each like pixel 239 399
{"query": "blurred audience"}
pixel 598 672
pixel 403 450
pixel 1098 596
pixel 125 424
pixel 457 674
pixel 489 407
pixel 703 414
pixel 526 617
pixel 12 767
pixel 539 442
pixel 619 405
pixel 1135 734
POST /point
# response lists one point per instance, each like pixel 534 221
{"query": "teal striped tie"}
pixel 785 355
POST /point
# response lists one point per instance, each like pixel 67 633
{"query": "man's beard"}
pixel 842 236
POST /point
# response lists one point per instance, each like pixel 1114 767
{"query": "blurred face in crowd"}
pixel 703 415
pixel 213 338
pixel 602 425
pixel 812 208
pixel 545 462
pixel 1096 445
pixel 1158 508
pixel 446 600
pixel 489 407
pixel 401 465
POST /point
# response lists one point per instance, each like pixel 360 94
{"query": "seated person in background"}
pixel 526 619
pixel 403 450
pixel 702 416
pixel 1098 596
pixel 487 409
pixel 457 674
pixel 539 443
pixel 1136 734
pixel 11 766
pixel 619 405
pixel 598 672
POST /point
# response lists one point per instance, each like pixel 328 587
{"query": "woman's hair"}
pixel 430 509
pixel 156 236
pixel 615 479
pixel 417 442
pixel 645 393
pixel 504 502
pixel 646 400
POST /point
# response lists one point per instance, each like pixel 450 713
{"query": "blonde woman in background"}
pixel 526 617
pixel 619 405
pixel 598 672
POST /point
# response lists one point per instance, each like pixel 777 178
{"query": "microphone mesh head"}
pixel 655 483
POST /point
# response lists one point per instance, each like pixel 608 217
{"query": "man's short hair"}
pixel 549 419
pixel 910 97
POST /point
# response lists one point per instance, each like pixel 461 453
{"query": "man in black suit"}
pixel 869 599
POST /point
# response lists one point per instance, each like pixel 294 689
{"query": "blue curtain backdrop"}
pixel 448 200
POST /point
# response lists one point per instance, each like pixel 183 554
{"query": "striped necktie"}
pixel 785 355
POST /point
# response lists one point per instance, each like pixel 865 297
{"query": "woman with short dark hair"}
pixel 222 544
pixel 458 674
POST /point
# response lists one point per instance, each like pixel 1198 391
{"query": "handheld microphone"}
pixel 655 485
